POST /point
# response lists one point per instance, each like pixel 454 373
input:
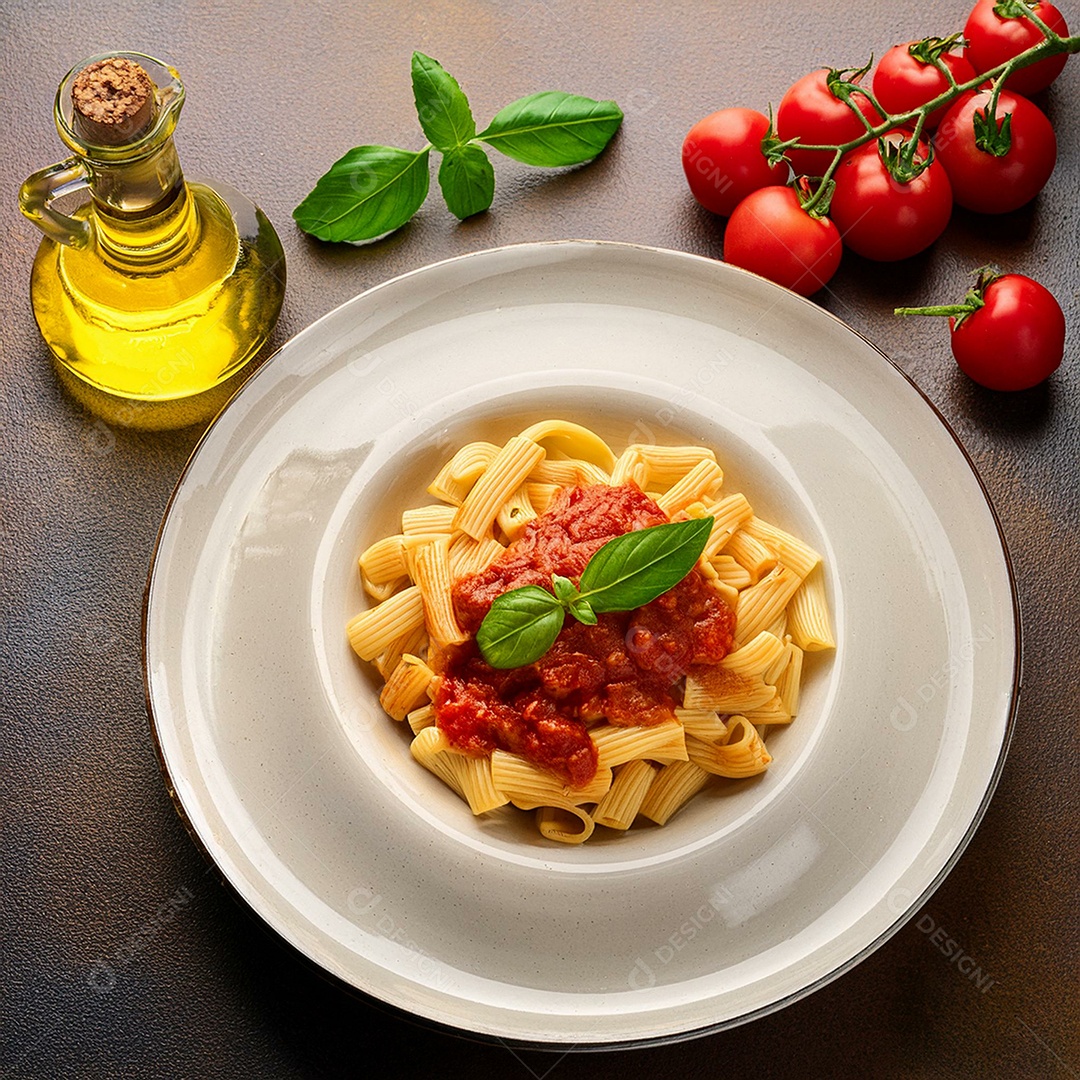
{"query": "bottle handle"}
pixel 38 192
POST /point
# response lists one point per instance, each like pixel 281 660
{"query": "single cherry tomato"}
pixel 771 234
pixel 1015 340
pixel 881 217
pixel 723 162
pixel 810 112
pixel 903 81
pixel 982 180
pixel 992 40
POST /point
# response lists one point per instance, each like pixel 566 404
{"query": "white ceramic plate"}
pixel 304 794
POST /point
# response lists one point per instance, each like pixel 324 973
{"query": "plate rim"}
pixel 913 906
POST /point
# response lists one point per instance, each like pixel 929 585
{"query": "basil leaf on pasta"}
pixel 633 569
pixel 520 627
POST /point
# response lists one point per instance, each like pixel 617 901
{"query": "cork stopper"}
pixel 113 102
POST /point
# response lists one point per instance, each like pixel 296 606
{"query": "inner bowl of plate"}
pixel 395 477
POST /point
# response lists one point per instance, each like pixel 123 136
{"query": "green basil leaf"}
pixel 553 128
pixel 582 610
pixel 637 567
pixel 520 627
pixel 441 105
pixel 467 180
pixel 365 195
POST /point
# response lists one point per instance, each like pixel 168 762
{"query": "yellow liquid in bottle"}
pixel 153 325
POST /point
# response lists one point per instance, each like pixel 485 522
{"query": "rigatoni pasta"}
pixel 641 715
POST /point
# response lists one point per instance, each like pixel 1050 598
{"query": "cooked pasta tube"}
pixel 524 782
pixel 432 576
pixel 568 473
pixel 379 593
pixel 755 657
pixel 703 481
pixel 808 615
pixel 407 687
pixel 730 572
pixel 540 495
pixel 787 683
pixel 373 630
pixel 673 786
pixel 759 605
pixel 414 641
pixel 477 786
pixel 563 438
pixel 703 724
pixel 456 478
pixel 616 745
pixel 507 470
pixel 558 823
pixel 667 465
pixel 723 691
pixel 774 711
pixel 430 748
pixel 428 520
pixel 743 754
pixel 470 777
pixel 383 561
pixel 469 556
pixel 515 513
pixel 728 514
pixel 630 468
pixel 793 552
pixel 618 808
pixel 421 718
pixel 751 554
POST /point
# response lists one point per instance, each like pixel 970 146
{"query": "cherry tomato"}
pixel 902 82
pixel 992 40
pixel 771 234
pixel 810 112
pixel 882 218
pixel 723 162
pixel 982 181
pixel 1016 340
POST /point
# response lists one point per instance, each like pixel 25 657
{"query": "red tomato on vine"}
pixel 880 214
pixel 813 114
pixel 723 162
pixel 996 167
pixel 906 77
pixel 771 234
pixel 992 40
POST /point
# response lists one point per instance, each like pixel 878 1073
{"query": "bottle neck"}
pixel 144 215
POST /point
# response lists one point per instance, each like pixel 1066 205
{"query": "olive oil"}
pixel 155 294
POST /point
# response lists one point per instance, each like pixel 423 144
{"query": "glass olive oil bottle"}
pixel 154 294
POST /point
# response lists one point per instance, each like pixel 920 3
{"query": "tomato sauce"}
pixel 625 668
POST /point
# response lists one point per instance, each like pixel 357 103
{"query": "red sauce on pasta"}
pixel 624 668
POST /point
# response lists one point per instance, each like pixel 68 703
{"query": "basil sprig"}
pixel 627 572
pixel 373 190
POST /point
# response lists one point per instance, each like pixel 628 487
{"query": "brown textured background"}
pixel 102 977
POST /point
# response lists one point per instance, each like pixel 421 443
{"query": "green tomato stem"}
pixel 1052 45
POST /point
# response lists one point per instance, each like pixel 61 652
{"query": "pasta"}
pixel 627 752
